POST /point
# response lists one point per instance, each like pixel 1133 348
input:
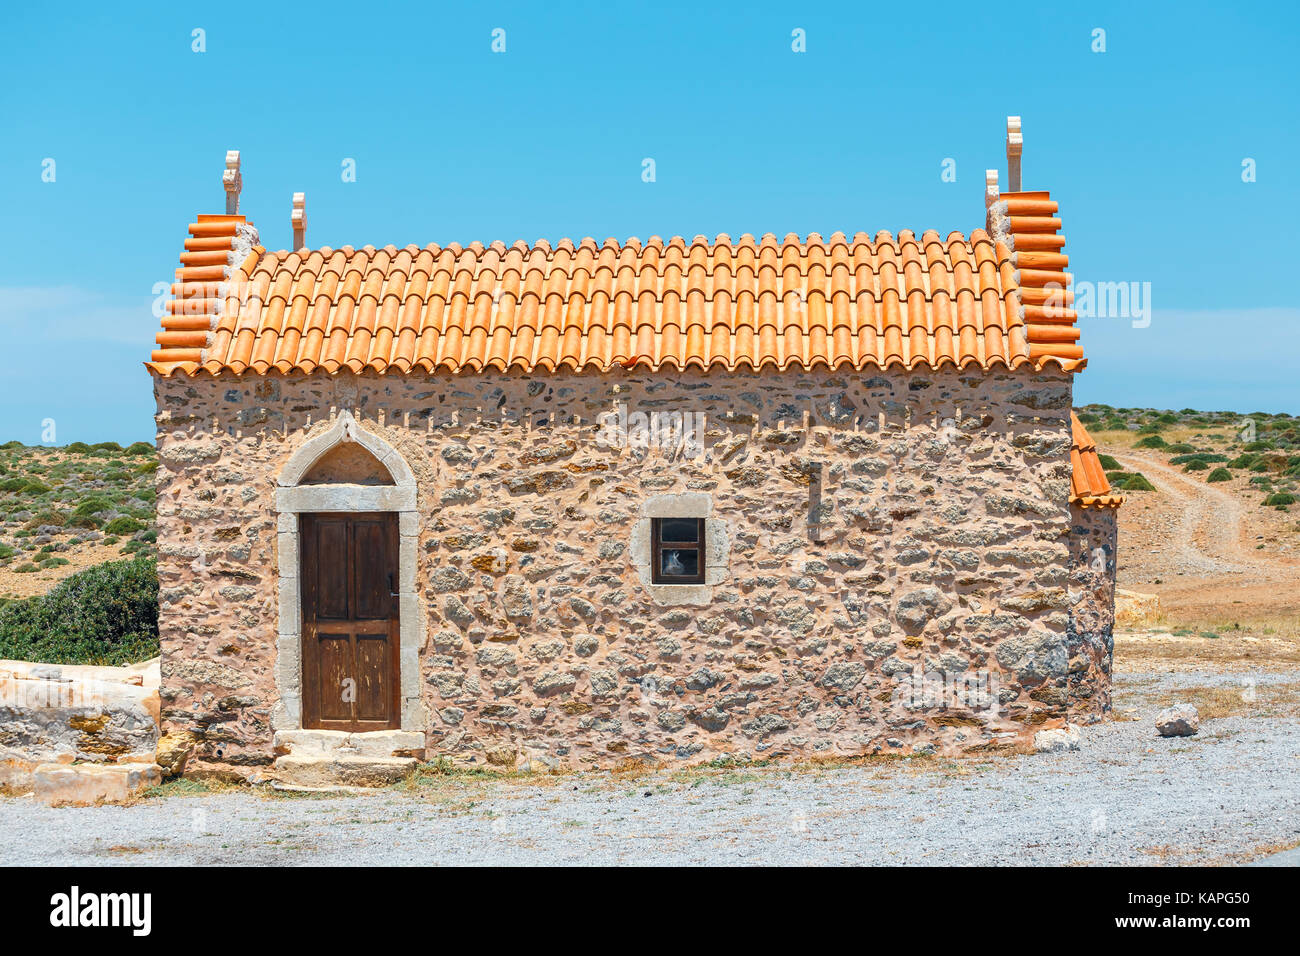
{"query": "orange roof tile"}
pixel 863 302
pixel 1026 225
pixel 1088 485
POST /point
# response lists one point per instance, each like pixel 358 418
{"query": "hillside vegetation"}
pixel 1256 456
pixel 68 508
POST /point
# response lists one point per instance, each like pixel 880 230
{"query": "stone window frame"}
pixel 717 546
pixel 291 500
pixel 699 545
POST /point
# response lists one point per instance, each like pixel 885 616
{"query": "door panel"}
pixel 350 622
pixel 372 569
pixel 332 570
pixel 335 669
pixel 373 691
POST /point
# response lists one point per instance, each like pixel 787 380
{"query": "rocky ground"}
pixel 1230 794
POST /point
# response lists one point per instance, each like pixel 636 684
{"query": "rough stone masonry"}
pixel 897 565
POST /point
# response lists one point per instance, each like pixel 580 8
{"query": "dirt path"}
pixel 1210 528
pixel 1199 534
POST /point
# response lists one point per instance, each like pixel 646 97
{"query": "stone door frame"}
pixel 291 500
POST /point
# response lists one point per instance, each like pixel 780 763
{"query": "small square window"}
pixel 678 550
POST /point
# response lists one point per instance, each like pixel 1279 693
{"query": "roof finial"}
pixel 233 181
pixel 1015 142
pixel 299 220
pixel 990 187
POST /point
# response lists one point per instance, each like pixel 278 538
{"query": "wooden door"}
pixel 350 630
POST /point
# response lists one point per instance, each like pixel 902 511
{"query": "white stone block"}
pixel 290 605
pixel 685 504
pixel 85 785
pixel 408 559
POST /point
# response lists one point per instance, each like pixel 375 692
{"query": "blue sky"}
pixel 1142 145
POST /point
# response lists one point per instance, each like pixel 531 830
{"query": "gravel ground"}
pixel 1230 794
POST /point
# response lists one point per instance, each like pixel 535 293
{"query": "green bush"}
pixel 90 506
pixel 13 484
pixel 107 614
pixel 1136 482
pixel 1108 463
pixel 77 448
pixel 47 517
pixel 139 448
pixel 1280 498
pixel 1150 428
pixel 1151 441
pixel 1196 465
pixel 1219 474
pixel 1181 448
pixel 123 524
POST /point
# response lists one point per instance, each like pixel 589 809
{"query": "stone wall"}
pixel 1093 541
pixel 895 580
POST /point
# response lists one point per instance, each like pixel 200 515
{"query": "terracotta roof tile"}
pixel 1088 485
pixel 1025 228
pixel 863 302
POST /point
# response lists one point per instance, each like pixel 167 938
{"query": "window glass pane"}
pixel 679 562
pixel 684 530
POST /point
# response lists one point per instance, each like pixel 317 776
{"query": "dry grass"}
pixel 1259 851
pixel 1215 643
pixel 1173 434
pixel 1246 700
pixel 194 786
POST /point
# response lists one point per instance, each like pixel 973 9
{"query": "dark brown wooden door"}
pixel 349 622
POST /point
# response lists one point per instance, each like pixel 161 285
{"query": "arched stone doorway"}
pixel 347 471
